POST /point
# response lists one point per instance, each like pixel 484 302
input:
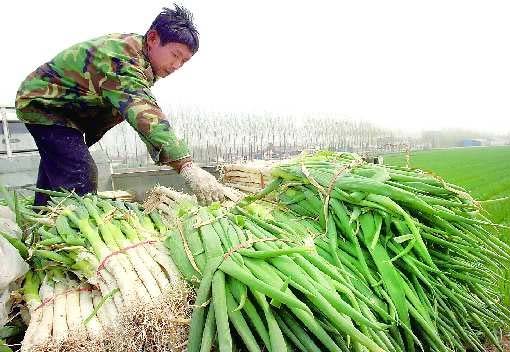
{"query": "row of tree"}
pixel 230 137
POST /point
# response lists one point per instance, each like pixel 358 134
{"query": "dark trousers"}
pixel 66 162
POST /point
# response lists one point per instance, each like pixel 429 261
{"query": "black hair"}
pixel 176 25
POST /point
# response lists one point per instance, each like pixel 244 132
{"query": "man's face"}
pixel 167 58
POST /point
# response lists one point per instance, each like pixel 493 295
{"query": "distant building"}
pixel 472 143
pixel 499 141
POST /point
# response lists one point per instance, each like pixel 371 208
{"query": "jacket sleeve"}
pixel 129 93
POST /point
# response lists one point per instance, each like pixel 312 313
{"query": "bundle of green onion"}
pixel 131 296
pixel 340 255
pixel 64 312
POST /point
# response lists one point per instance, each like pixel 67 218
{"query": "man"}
pixel 70 102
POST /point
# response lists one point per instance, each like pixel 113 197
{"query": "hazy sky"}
pixel 408 64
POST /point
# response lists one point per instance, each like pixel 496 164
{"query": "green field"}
pixel 483 171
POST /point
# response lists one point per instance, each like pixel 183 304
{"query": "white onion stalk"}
pixel 86 266
pixel 156 250
pixel 143 272
pixel 102 316
pixel 108 236
pixel 45 326
pixel 107 285
pixel 127 281
pixel 33 300
pixel 162 256
pixel 60 327
pixel 73 314
pixel 90 320
pixel 144 252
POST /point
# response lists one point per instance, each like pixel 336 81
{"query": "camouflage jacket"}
pixel 93 86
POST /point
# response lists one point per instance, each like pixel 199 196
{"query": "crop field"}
pixel 483 171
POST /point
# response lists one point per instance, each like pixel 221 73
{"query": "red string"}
pixel 50 299
pixel 122 250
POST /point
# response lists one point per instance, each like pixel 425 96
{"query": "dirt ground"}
pixel 505 343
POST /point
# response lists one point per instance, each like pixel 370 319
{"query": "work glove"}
pixel 202 184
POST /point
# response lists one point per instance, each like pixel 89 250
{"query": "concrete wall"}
pixel 21 170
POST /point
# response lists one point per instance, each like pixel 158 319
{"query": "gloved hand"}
pixel 203 184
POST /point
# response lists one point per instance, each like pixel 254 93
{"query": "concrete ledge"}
pixel 22 168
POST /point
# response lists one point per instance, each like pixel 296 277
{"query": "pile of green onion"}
pixel 101 276
pixel 339 255
pixel 333 255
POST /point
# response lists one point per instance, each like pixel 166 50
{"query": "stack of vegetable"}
pixel 420 237
pixel 102 277
pixel 333 255
pixel 169 203
pixel 340 255
pixel 249 177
